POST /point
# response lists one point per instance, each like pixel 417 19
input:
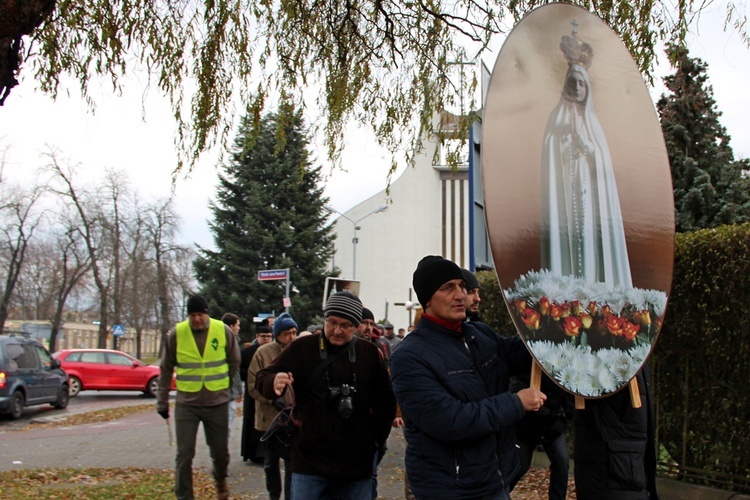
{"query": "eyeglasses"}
pixel 345 327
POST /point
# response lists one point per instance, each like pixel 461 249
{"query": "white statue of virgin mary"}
pixel 582 229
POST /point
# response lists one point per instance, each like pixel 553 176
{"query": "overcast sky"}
pixel 117 136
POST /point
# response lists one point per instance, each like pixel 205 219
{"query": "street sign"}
pixel 287 302
pixel 273 274
pixel 277 274
pixel 118 330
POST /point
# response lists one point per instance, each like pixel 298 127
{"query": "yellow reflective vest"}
pixel 195 371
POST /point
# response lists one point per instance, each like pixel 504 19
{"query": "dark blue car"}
pixel 29 375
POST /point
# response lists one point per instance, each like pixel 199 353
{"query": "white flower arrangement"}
pixel 588 373
pixel 590 337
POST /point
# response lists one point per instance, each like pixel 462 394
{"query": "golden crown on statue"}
pixel 576 51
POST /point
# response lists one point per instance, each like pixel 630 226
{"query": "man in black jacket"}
pixel 472 295
pixel 546 427
pixel 614 444
pixel 250 444
pixel 344 404
pixel 451 380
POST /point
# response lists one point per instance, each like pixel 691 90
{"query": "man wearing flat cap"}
pixel 451 379
pixel 390 336
pixel 205 354
pixel 344 404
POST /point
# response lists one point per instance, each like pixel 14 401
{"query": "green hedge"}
pixel 701 362
pixel 492 309
pixel 702 358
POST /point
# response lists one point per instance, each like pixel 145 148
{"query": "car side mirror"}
pixel 56 363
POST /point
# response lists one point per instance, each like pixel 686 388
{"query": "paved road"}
pixel 142 440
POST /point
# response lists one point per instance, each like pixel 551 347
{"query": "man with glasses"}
pixel 284 332
pixel 264 336
pixel 344 404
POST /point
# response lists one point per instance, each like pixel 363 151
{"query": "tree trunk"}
pixel 20 17
pixel 17 18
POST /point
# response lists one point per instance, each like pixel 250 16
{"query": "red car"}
pixel 107 370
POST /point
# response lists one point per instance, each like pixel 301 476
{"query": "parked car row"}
pixel 30 375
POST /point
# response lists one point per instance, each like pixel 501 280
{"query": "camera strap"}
pixel 327 360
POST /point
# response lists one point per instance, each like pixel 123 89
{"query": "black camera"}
pixel 344 395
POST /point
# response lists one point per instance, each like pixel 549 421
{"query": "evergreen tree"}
pixel 268 215
pixel 710 186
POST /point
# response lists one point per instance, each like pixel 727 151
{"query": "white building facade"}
pixel 428 214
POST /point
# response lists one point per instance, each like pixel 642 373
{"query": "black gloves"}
pixel 164 413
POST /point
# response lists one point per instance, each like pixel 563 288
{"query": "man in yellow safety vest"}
pixel 205 354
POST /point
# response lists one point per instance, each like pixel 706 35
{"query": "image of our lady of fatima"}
pixel 580 314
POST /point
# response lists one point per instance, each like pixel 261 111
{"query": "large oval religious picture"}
pixel 578 199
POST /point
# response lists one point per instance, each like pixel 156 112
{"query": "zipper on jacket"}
pixel 457 460
pixel 498 468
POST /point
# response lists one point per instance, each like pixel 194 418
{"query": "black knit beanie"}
pixel 367 314
pixel 344 305
pixel 197 304
pixel 432 272
pixel 472 282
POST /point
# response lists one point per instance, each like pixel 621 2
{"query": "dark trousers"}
pixel 275 451
pixel 556 449
pixel 250 448
pixel 216 429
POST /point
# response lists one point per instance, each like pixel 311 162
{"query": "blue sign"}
pixel 118 330
pixel 273 274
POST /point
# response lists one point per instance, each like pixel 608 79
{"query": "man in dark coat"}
pixel 344 404
pixel 451 380
pixel 250 444
pixel 472 295
pixel 546 427
pixel 614 444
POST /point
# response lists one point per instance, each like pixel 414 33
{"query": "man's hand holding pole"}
pixel 163 411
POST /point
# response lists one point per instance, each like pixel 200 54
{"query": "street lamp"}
pixel 355 240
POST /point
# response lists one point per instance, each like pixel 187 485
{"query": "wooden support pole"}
pixel 535 381
pixel 635 393
pixel 580 403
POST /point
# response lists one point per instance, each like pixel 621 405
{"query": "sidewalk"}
pixel 142 440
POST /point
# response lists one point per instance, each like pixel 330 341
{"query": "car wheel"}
pixel 62 399
pixel 75 386
pixel 17 401
pixel 152 387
